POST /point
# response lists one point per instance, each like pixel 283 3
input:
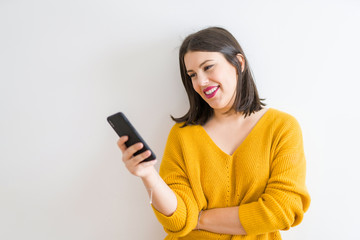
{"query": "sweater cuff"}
pixel 176 222
pixel 252 219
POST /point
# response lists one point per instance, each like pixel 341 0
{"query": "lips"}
pixel 211 91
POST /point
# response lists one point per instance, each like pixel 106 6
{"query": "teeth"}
pixel 211 91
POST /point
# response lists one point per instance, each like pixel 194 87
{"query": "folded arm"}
pixel 283 202
pixel 221 220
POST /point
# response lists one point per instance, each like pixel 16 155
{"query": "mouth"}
pixel 211 91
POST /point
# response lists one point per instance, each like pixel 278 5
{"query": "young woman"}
pixel 231 169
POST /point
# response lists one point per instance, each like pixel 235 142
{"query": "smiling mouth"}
pixel 211 91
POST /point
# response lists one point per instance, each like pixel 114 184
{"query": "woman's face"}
pixel 213 78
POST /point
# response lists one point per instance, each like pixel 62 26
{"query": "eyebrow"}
pixel 201 64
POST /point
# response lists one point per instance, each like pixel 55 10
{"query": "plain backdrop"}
pixel 66 65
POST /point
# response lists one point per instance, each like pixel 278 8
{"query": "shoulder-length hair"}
pixel 216 39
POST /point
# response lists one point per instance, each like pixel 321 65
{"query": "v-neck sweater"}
pixel 265 177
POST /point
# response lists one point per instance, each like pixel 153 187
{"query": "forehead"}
pixel 194 59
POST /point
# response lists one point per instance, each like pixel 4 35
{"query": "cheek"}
pixel 233 80
pixel 196 87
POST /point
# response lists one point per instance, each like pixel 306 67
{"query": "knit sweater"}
pixel 265 177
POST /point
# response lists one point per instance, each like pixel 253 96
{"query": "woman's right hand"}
pixel 134 163
pixel 161 196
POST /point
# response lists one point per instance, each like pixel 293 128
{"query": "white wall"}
pixel 66 65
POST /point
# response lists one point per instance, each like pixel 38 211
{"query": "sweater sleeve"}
pixel 173 172
pixel 285 199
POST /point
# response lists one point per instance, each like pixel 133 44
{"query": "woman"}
pixel 231 169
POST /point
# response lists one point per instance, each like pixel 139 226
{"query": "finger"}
pixel 121 143
pixel 149 163
pixel 137 169
pixel 130 151
pixel 139 158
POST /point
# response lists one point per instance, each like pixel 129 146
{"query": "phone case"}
pixel 122 127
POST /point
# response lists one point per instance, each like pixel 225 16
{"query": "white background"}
pixel 66 65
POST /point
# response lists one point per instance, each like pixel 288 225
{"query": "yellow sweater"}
pixel 265 177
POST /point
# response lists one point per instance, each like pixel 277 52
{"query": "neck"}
pixel 228 117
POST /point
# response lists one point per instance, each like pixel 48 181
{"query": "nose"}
pixel 203 80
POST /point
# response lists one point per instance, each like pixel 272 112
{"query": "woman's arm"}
pixel 162 197
pixel 221 220
pixel 173 201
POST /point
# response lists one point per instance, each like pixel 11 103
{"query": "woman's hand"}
pixel 161 196
pixel 134 163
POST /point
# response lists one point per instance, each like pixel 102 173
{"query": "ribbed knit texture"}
pixel 265 177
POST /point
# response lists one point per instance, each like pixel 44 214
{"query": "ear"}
pixel 241 60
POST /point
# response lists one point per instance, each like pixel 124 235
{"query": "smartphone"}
pixel 122 127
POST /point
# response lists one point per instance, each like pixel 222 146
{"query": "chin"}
pixel 219 108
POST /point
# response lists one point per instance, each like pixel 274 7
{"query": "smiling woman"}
pixel 214 79
pixel 232 169
pixel 214 46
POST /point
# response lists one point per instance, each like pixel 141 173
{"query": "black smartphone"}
pixel 122 127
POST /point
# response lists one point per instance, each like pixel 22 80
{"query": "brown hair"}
pixel 216 39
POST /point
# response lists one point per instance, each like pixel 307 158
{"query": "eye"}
pixel 192 75
pixel 208 67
